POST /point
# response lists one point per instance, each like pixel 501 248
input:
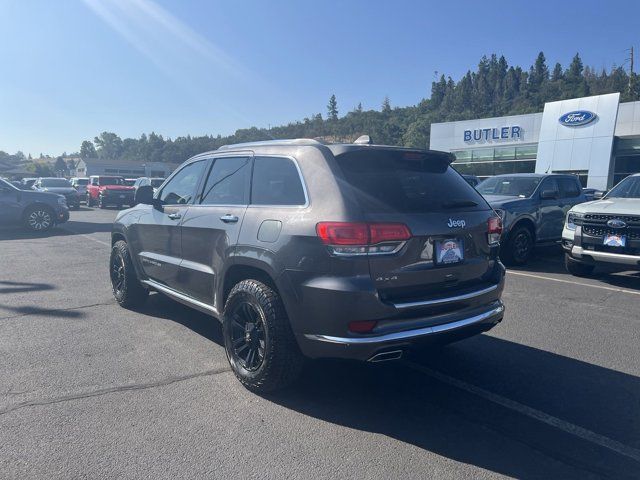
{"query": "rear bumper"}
pixel 368 347
pixel 323 307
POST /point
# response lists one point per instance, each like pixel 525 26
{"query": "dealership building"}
pixel 596 138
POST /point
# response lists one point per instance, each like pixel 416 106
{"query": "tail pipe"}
pixel 386 356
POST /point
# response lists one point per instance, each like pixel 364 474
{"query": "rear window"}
pixel 82 181
pixel 407 182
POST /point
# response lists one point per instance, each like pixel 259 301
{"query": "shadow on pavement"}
pixel 400 402
pixel 21 287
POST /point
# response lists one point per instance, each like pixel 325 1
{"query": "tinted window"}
pixel 506 185
pixel 276 182
pixel 569 187
pixel 182 187
pixel 550 184
pixel 54 182
pixel 111 181
pixel 405 182
pixel 228 182
pixel 628 188
pixel 82 181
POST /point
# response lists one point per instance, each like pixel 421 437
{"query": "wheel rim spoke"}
pixel 248 341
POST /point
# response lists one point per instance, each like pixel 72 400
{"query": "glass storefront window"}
pixel 505 153
pixel 463 156
pixel 489 169
pixel 482 154
pixel 526 151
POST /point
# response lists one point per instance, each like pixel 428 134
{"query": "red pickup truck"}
pixel 106 190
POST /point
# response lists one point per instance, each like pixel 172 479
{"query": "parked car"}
pixel 28 182
pixel 606 231
pixel 36 211
pixel 471 180
pixel 155 182
pixel 303 249
pixel 60 186
pixel 592 193
pixel 532 207
pixel 80 184
pixel 104 190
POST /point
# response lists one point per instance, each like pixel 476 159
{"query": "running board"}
pixel 182 298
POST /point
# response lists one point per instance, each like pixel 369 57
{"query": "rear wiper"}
pixel 459 204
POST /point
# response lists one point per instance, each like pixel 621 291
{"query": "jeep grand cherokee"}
pixel 303 249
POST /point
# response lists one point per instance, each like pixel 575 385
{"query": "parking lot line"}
pixel 89 237
pixel 582 284
pixel 530 412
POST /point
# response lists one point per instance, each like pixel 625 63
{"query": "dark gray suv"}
pixel 37 211
pixel 303 249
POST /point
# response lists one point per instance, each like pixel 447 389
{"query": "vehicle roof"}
pixel 534 175
pixel 335 148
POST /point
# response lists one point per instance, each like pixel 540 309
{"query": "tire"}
pixel 39 218
pixel 577 268
pixel 127 289
pixel 101 203
pixel 254 320
pixel 89 202
pixel 519 247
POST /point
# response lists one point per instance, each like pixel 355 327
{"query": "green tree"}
pixel 386 105
pixel 60 167
pixel 332 108
pixel 109 145
pixel 87 150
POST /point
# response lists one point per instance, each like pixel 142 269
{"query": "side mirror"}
pixel 144 195
pixel 598 195
pixel 548 194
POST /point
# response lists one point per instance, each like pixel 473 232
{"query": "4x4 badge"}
pixel 456 223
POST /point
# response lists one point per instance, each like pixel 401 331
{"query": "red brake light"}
pixel 352 238
pixel 343 233
pixel 388 232
pixel 495 225
pixel 364 326
pixel 494 230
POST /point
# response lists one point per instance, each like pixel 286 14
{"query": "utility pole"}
pixel 631 72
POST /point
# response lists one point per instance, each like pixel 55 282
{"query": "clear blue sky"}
pixel 74 68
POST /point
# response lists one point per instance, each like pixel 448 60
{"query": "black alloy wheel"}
pixel 248 336
pixel 519 247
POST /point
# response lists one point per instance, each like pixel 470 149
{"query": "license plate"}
pixel 121 196
pixel 449 250
pixel 612 240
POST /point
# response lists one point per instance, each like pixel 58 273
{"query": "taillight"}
pixel 356 238
pixel 494 230
pixel 362 326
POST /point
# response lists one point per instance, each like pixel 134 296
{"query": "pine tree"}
pixel 386 105
pixel 332 108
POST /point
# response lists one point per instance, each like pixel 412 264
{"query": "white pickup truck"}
pixel 605 231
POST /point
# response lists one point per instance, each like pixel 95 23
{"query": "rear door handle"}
pixel 174 216
pixel 228 218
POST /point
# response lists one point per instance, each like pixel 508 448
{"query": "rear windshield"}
pixel 54 182
pixel 407 182
pixel 111 181
pixel 156 182
pixel 82 181
pixel 511 186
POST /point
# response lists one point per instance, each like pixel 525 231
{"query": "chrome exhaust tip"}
pixel 386 356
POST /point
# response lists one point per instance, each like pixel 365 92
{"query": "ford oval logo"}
pixel 616 223
pixel 577 118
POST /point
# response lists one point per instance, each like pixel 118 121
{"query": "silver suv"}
pixel 605 231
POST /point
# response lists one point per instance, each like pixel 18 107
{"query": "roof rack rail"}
pixel 266 143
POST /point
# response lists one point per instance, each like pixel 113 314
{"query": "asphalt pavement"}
pixel 91 390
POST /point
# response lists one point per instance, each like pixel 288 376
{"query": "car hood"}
pixel 497 201
pixel 117 187
pixel 35 195
pixel 622 206
pixel 60 190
